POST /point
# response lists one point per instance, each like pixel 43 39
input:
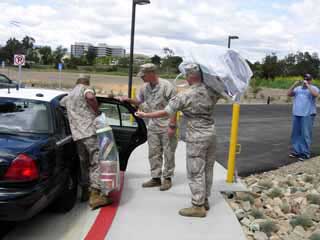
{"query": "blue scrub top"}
pixel 304 104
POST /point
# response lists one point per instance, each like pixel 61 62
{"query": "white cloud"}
pixel 281 28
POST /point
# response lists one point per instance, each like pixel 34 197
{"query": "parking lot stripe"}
pixel 106 215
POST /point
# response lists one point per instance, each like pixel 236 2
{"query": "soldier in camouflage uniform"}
pixel 197 104
pixel 82 108
pixel 154 95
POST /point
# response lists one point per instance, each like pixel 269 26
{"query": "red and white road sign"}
pixel 19 60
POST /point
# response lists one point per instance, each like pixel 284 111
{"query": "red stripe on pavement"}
pixel 106 215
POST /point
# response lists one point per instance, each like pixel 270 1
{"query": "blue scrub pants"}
pixel 302 135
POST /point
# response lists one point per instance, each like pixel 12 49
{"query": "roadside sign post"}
pixel 60 65
pixel 19 60
pixel 3 64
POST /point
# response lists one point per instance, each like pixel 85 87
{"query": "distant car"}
pixel 38 158
pixel 6 82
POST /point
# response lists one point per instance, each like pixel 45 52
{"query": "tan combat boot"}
pixel 153 182
pixel 166 184
pixel 97 200
pixel 194 211
pixel 207 205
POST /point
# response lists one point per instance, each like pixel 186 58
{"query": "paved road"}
pixel 264 134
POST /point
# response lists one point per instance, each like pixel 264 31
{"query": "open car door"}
pixel 129 131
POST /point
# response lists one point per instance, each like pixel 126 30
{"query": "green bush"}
pixel 268 227
pixel 313 198
pixel 302 220
pixel 265 184
pixel 285 208
pixel 275 192
pixel 246 197
pixel 257 214
pixel 315 236
pixel 308 179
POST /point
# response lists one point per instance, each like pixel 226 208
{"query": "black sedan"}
pixel 38 158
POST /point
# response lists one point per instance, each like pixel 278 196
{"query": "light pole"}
pixel 134 3
pixel 229 40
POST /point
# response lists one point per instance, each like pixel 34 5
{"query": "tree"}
pixel 13 46
pixel 46 55
pixel 124 62
pixel 156 60
pixel 58 54
pixel 91 55
pixel 270 66
pixel 172 62
pixel 28 44
pixel 168 52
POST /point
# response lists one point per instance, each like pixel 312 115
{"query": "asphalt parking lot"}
pixel 264 135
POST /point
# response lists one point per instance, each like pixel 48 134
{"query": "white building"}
pixel 102 50
pixel 117 51
pixel 80 48
pixel 107 50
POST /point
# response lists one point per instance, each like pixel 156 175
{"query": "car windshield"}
pixel 23 116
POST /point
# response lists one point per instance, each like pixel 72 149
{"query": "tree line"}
pixel 270 67
pixel 294 64
pixel 41 55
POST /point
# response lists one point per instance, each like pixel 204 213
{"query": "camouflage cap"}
pixel 84 76
pixel 148 67
pixel 191 68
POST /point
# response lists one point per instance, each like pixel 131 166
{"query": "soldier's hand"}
pixel 122 98
pixel 139 114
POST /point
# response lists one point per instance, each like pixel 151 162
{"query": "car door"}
pixel 129 130
pixel 64 144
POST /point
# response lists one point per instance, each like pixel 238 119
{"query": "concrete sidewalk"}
pixel 151 214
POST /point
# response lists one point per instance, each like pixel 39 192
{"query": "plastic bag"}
pixel 224 70
pixel 108 155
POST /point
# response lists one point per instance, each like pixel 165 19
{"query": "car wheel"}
pixel 68 197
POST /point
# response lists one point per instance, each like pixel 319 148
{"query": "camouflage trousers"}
pixel 88 151
pixel 161 147
pixel 201 157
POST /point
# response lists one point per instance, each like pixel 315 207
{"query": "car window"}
pixel 127 118
pixel 25 116
pixel 118 115
pixel 3 79
pixel 61 122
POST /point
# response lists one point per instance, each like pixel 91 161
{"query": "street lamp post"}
pixel 134 3
pixel 229 40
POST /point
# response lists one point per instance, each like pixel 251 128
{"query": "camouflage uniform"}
pixel 154 99
pixel 197 106
pixel 81 119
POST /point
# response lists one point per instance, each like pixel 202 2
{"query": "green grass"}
pixel 280 82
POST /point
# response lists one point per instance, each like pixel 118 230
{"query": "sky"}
pixel 263 27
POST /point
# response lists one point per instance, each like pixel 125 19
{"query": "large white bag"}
pixel 108 155
pixel 224 70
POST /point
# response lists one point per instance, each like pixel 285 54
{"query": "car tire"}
pixel 68 196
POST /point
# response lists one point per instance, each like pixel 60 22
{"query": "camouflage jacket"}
pixel 81 116
pixel 154 99
pixel 197 105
